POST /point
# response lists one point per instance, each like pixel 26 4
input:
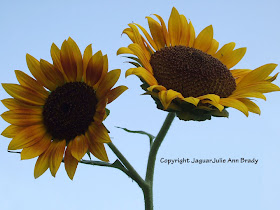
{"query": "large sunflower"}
pixel 63 107
pixel 187 74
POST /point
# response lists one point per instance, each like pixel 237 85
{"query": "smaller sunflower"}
pixel 59 114
pixel 187 74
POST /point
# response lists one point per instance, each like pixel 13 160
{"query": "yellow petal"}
pixel 263 87
pixel 257 75
pixel 116 92
pixel 24 94
pixel 252 107
pixel 78 147
pixel 185 34
pixel 98 150
pixel 99 116
pixel 129 33
pixel 94 69
pixel 164 30
pixel 156 32
pixel 166 97
pixel 143 74
pixel 68 62
pixel 36 149
pixel 217 105
pixel 12 103
pixel 139 39
pixel 29 82
pixel 101 104
pixel 108 82
pixel 192 34
pixel 42 163
pixel 248 95
pixel 104 71
pixel 100 112
pixel 234 103
pixel 227 48
pixel 34 67
pixel 124 50
pixel 191 100
pixel 149 38
pixel 56 155
pixel 236 73
pixel 212 97
pixel 11 131
pixel 204 39
pixel 231 59
pixel 78 58
pixel 70 163
pixel 55 53
pixel 87 56
pixel 272 78
pixel 52 73
pixel 174 27
pixel 27 137
pixel 156 87
pixel 213 48
pixel 98 133
pixel 141 55
pixel 23 117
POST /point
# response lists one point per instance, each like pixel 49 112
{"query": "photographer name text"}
pixel 207 161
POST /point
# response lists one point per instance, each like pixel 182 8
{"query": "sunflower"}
pixel 59 114
pixel 187 74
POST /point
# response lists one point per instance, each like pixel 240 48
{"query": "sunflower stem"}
pixel 148 192
pixel 133 173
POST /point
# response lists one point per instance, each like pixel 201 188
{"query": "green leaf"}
pixel 151 137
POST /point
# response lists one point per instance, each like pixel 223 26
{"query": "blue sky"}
pixel 32 26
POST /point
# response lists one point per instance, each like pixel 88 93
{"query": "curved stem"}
pixel 152 160
pixel 134 175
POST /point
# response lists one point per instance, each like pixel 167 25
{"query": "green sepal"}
pixel 135 59
pixel 151 137
pixel 187 116
pixel 134 64
pixel 145 85
pixel 88 153
pixel 217 113
pixel 107 112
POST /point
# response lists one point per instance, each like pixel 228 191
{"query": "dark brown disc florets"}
pixel 69 110
pixel 191 72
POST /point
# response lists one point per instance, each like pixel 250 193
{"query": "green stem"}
pixel 148 193
pixel 133 173
pixel 147 185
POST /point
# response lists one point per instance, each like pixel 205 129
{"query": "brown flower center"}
pixel 69 110
pixel 191 72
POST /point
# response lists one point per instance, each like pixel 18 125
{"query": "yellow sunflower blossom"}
pixel 59 114
pixel 187 74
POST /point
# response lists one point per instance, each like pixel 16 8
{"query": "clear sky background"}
pixel 32 26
